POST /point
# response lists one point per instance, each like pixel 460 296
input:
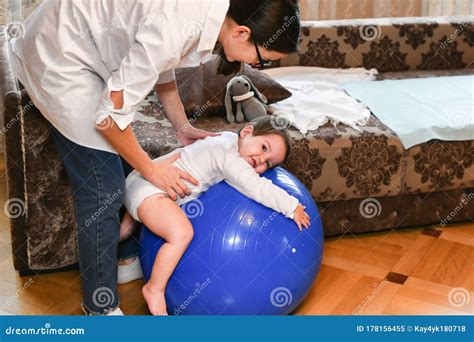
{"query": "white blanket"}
pixel 318 96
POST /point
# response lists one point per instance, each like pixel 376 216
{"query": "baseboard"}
pixel 29 273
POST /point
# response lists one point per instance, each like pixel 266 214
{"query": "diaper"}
pixel 137 189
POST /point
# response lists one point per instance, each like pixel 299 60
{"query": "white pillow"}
pixel 308 74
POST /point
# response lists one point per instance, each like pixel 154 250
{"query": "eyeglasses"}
pixel 262 64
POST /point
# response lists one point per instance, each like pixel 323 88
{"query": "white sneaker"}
pixel 115 312
pixel 130 272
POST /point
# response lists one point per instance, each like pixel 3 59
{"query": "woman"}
pixel 87 65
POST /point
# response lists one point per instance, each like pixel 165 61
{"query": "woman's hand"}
pixel 164 175
pixel 188 134
pixel 174 109
pixel 301 218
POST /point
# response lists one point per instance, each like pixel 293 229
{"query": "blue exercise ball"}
pixel 245 259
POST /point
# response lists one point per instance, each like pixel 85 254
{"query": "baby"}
pixel 237 158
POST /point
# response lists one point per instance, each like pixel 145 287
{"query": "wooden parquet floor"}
pixel 415 271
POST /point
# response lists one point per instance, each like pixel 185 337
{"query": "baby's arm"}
pixel 240 175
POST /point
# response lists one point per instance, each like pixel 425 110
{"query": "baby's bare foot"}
pixel 155 300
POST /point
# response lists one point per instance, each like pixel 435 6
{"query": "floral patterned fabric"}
pixel 49 197
pixel 342 167
pixel 397 44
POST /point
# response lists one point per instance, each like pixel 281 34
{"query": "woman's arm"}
pixel 174 109
pixel 162 174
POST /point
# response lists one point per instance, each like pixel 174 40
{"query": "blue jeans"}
pixel 97 179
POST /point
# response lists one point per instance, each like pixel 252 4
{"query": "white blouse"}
pixel 75 52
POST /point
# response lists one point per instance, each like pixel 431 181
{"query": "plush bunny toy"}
pixel 249 102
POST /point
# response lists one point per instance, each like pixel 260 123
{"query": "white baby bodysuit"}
pixel 210 161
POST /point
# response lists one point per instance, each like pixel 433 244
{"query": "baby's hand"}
pixel 301 218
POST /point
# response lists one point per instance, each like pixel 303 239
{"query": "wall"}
pixel 350 9
pixel 16 10
pixel 311 9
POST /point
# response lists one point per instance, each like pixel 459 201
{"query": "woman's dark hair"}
pixel 275 25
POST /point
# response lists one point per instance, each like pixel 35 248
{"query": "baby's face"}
pixel 261 152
